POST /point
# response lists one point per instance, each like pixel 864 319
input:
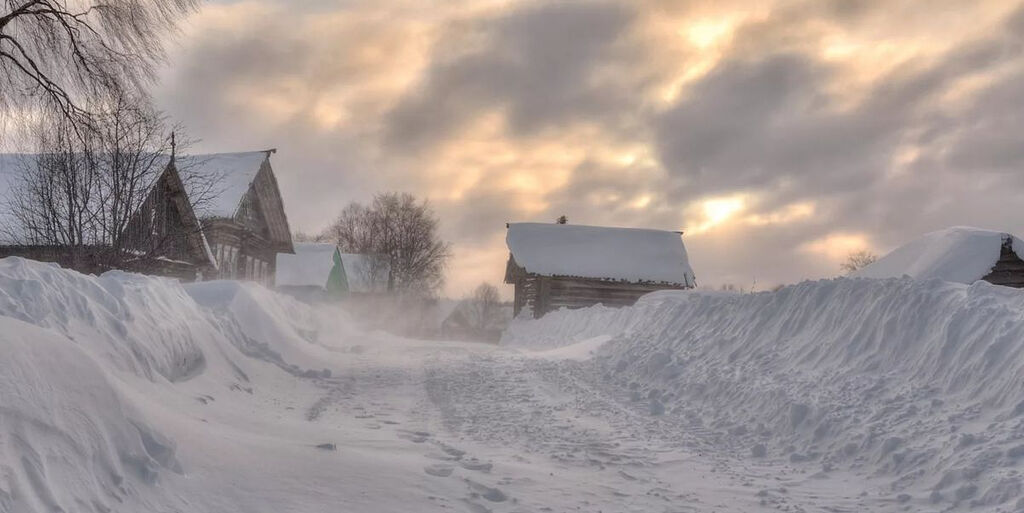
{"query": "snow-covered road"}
pixel 518 432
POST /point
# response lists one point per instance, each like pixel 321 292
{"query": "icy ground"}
pixel 125 393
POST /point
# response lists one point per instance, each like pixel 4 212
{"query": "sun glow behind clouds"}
pixel 716 211
pixel 708 32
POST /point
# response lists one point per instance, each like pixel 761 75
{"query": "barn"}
pixel 556 266
pixel 242 213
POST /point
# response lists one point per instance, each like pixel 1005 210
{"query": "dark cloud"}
pixel 537 63
pixel 769 125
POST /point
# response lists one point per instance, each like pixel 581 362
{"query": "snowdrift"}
pixel 76 349
pixel 272 327
pixel 141 324
pixel 959 254
pixel 919 382
pixel 67 440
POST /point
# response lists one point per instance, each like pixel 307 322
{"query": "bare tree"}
pixel 54 52
pixel 483 308
pixel 134 143
pixel 858 260
pixel 402 232
pixel 478 317
pixel 54 202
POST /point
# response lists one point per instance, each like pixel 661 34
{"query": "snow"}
pixel 959 254
pixel 583 350
pixel 67 437
pixel 915 385
pixel 310 266
pixel 629 254
pixel 123 393
pixel 232 173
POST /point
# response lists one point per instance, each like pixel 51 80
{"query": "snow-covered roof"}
pixel 233 174
pixel 959 254
pixel 629 254
pixel 310 266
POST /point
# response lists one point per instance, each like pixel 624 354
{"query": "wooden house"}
pixel 243 216
pixel 556 266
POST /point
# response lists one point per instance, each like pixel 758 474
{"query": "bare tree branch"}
pixel 55 54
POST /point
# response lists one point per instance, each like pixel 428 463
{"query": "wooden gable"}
pixel 262 210
pixel 165 226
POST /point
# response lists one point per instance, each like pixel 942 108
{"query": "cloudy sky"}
pixel 780 135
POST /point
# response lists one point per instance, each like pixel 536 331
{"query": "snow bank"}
pixel 141 324
pixel 959 254
pixel 66 438
pixel 273 327
pixel 920 382
pixel 76 350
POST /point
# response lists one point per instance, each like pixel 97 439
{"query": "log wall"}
pixel 542 294
pixel 1009 269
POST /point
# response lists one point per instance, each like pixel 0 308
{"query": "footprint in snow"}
pixel 414 436
pixel 439 470
pixel 482 490
pixel 477 466
pixel 476 508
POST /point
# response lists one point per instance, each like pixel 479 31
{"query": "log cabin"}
pixel 556 266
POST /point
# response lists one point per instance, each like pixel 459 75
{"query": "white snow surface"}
pixel 630 254
pixel 310 266
pixel 958 254
pixel 124 393
pixel 915 384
